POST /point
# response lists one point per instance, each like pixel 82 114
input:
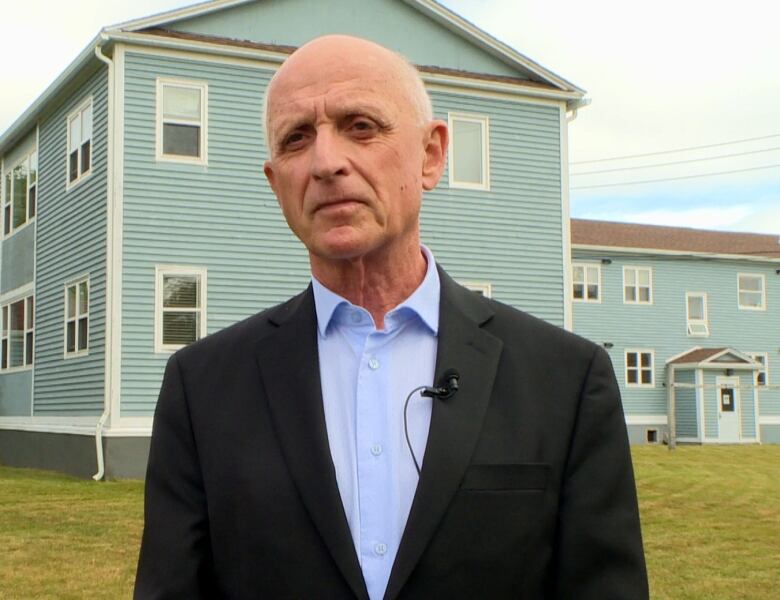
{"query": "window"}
pixel 751 292
pixel 80 142
pixel 181 120
pixel 20 193
pixel 77 318
pixel 483 288
pixel 180 316
pixel 17 333
pixel 637 285
pixel 761 376
pixel 639 368
pixel 586 280
pixel 469 152
pixel 696 314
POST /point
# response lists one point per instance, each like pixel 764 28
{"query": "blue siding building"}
pixel 136 218
pixel 691 320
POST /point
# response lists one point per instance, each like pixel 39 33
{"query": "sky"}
pixel 664 78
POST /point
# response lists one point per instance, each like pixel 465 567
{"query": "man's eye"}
pixel 363 127
pixel 294 139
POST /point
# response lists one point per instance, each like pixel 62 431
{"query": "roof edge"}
pixel 663 251
pixel 29 117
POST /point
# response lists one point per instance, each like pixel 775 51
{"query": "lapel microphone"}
pixel 448 385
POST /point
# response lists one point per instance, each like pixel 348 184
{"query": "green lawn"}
pixel 711 519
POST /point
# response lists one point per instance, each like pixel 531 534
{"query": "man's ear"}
pixel 268 169
pixel 435 157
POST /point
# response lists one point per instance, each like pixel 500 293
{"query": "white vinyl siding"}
pixel 751 291
pixel 77 318
pixel 181 120
pixel 637 285
pixel 696 314
pixel 79 160
pixel 586 283
pixel 180 301
pixel 17 347
pixel 20 186
pixel 469 151
pixel 639 368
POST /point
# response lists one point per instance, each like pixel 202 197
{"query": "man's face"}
pixel 348 153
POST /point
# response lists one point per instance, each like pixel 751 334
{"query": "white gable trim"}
pixel 177 14
pixel 626 250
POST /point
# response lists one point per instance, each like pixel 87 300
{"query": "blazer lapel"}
pixel 289 364
pixel 455 422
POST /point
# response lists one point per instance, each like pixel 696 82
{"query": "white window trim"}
pixel 159 271
pixel 765 356
pixel 689 321
pixel 204 90
pixel 585 298
pixel 483 120
pixel 639 368
pixel 80 176
pixel 28 220
pixel 763 291
pixel 75 282
pixel 636 285
pixel 479 286
pixel 7 303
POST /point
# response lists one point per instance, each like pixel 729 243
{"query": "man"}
pixel 279 466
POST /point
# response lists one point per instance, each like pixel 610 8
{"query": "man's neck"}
pixel 377 283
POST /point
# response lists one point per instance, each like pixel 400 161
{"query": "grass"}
pixel 710 516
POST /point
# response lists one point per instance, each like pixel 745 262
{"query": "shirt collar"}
pixel 424 301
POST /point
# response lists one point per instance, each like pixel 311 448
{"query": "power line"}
pixel 753 139
pixel 676 162
pixel 602 185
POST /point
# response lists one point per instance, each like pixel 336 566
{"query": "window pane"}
pixel 593 292
pixel 467 151
pixel 71 309
pixel 752 299
pixel 7 219
pixel 631 376
pixel 5 354
pixel 86 156
pixel 83 298
pixel 181 291
pixel 32 199
pixel 630 275
pixel 644 294
pixel 75 133
pixel 33 167
pixel 181 103
pixel 30 312
pixel 83 333
pixel 578 291
pixel 5 321
pixel 180 327
pixel 28 359
pixel 70 344
pixel 20 195
pixel 86 124
pixel 578 274
pixel 647 377
pixel 593 275
pixel 631 359
pixel 645 359
pixel 643 277
pixel 7 198
pixel 17 334
pixel 749 283
pixel 696 308
pixel 181 140
pixel 630 294
pixel 73 165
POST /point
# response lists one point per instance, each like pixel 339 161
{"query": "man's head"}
pixel 353 146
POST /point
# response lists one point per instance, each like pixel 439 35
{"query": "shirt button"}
pixel 376 449
pixel 373 364
pixel 380 549
pixel 356 317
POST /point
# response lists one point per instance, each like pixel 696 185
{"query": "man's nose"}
pixel 329 157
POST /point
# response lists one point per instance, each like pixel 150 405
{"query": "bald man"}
pixel 386 433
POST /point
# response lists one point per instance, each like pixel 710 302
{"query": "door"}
pixel 727 391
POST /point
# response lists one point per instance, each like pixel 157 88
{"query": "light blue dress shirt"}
pixel 366 375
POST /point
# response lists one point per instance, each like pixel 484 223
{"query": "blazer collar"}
pixel 455 423
pixel 289 364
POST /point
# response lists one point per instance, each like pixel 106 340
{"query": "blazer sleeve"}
pixel 599 551
pixel 175 557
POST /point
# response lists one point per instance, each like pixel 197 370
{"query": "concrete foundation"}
pixel 638 434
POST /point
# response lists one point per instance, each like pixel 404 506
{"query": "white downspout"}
pixel 109 203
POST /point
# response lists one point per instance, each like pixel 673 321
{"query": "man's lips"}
pixel 336 204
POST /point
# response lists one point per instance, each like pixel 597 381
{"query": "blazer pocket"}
pixel 526 476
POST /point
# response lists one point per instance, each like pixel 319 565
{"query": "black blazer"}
pixel 526 491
